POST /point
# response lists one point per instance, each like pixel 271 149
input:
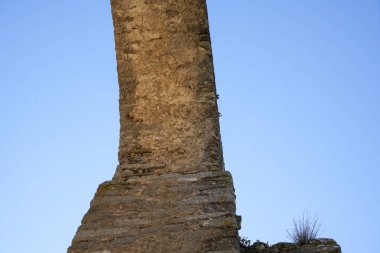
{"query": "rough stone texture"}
pixel 168 102
pixel 322 245
pixel 167 213
pixel 170 192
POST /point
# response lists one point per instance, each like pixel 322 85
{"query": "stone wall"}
pixel 322 245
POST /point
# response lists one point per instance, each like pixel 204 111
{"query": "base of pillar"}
pixel 161 213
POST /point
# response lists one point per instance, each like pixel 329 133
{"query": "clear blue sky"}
pixel 299 85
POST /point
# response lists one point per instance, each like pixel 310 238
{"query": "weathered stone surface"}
pixel 168 103
pixel 170 192
pixel 322 245
pixel 161 213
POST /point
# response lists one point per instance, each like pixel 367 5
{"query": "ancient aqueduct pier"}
pixel 170 192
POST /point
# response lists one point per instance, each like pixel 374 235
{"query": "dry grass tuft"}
pixel 304 229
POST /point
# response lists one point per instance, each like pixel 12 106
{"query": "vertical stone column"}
pixel 168 104
pixel 170 192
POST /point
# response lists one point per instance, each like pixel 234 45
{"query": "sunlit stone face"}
pixel 170 192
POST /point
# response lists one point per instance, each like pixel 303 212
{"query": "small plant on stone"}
pixel 304 229
pixel 245 242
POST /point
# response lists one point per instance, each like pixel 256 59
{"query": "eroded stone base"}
pixel 322 245
pixel 161 213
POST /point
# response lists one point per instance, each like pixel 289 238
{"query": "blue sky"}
pixel 299 87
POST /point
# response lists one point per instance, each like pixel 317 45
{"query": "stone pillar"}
pixel 170 192
pixel 168 104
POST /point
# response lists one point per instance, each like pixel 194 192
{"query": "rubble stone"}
pixel 321 245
